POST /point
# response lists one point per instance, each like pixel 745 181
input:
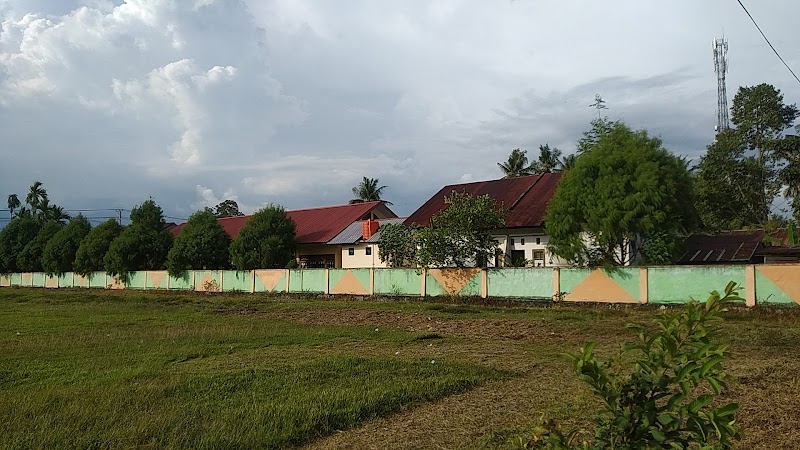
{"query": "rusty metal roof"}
pixel 725 247
pixel 524 199
pixel 313 225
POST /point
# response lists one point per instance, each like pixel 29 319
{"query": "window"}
pixel 538 255
pixel 351 251
pixel 522 241
pixel 538 241
pixel 512 241
pixel 369 251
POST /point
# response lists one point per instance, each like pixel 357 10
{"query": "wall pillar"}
pixel 252 281
pixel 372 281
pixel 556 283
pixel 423 287
pixel 194 274
pixel 288 273
pixel 484 283
pixel 221 281
pixel 643 286
pixel 145 280
pixel 750 285
pixel 327 282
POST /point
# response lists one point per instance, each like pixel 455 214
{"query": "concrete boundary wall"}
pixel 775 284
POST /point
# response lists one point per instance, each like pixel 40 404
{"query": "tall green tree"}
pixel 202 244
pixel 461 235
pixel 789 150
pixel 143 245
pixel 20 231
pixel 267 240
pixel 227 208
pixel 728 185
pixel 30 258
pixel 13 204
pixel 626 191
pixel 368 191
pixel 517 164
pixel 761 117
pixel 93 248
pixel 58 256
pixel 549 159
pixel 37 195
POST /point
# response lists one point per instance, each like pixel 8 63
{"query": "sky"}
pixel 292 102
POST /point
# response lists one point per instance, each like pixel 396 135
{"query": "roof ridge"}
pixel 335 206
pixel 490 180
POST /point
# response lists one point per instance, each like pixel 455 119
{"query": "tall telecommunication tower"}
pixel 720 47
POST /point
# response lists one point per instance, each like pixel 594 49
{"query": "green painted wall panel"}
pixel 207 280
pixel 335 275
pixel 398 282
pixel 16 279
pixel 433 288
pixel 38 279
pixel 767 292
pixel 627 277
pixel 473 287
pixel 157 279
pixel 527 283
pixel 571 278
pixel 280 284
pixel 676 284
pixel 135 280
pixel 307 280
pixel 237 280
pixel 65 280
pixel 97 280
pixel 182 282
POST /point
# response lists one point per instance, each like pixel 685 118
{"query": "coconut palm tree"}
pixel 568 162
pixel 517 164
pixel 368 191
pixel 13 203
pixel 37 196
pixel 549 159
pixel 56 214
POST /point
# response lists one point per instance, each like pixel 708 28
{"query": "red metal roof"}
pixel 313 225
pixel 524 199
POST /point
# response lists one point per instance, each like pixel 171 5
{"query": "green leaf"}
pixel 700 402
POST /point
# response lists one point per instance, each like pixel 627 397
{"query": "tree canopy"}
pixel 398 245
pixel 517 164
pixel 549 159
pixel 267 241
pixel 143 245
pixel 227 208
pixel 461 235
pixel 745 169
pixel 93 248
pixel 59 253
pixel 30 258
pixel 368 191
pixel 20 231
pixel 202 244
pixel 626 191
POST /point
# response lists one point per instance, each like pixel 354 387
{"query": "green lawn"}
pixel 83 369
pixel 126 369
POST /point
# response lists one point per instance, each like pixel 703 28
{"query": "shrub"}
pixel 667 400
pixel 143 245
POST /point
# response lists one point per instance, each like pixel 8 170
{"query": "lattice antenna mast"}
pixel 720 47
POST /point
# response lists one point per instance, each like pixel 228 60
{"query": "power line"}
pixel 768 42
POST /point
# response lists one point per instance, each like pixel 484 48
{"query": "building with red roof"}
pixel 315 227
pixel 524 200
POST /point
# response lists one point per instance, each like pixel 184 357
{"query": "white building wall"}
pixel 360 259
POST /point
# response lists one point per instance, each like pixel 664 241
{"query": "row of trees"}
pixel 31 243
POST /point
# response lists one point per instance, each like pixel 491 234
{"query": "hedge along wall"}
pixel 765 284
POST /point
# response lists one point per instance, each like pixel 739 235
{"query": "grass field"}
pixel 101 369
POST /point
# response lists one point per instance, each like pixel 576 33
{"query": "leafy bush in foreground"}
pixel 667 401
